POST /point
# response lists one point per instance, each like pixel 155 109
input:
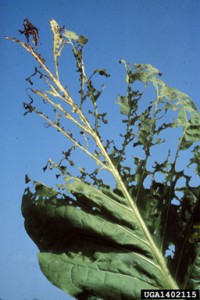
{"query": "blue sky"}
pixel 163 33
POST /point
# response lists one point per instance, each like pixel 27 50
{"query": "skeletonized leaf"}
pixel 94 243
pixel 58 40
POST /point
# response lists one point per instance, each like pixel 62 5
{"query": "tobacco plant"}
pixel 102 242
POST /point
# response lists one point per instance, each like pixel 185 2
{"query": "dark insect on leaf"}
pixel 30 30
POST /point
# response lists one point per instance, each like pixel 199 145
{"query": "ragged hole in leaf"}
pixel 175 202
pixel 170 251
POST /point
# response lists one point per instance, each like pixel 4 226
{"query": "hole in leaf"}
pixel 170 251
pixel 159 177
pixel 175 202
pixel 181 182
pixel 179 194
pixel 147 182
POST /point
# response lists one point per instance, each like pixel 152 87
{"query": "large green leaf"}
pixel 90 243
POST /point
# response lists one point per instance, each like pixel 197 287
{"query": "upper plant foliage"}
pixel 99 243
